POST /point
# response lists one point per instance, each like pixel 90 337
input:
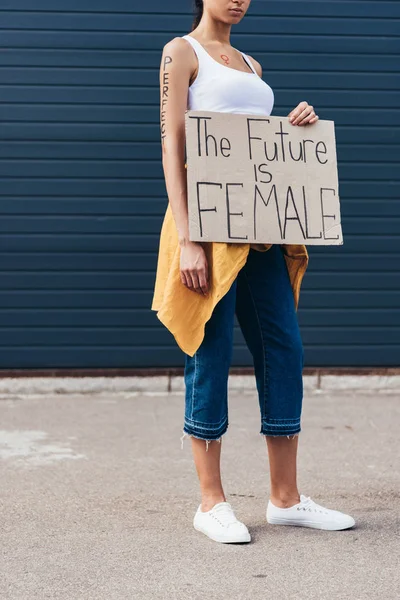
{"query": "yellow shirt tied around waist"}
pixel 185 312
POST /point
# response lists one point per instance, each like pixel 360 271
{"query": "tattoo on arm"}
pixel 164 94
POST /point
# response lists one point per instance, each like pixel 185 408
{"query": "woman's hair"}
pixel 198 13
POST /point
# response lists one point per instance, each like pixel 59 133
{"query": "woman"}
pixel 201 286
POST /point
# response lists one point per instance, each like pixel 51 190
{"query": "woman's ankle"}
pixel 285 500
pixel 210 500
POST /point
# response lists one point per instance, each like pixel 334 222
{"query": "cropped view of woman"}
pixel 201 286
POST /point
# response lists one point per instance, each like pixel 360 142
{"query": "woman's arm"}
pixel 175 71
pixel 302 114
pixel 178 62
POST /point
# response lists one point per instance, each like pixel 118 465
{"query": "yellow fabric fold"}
pixel 185 312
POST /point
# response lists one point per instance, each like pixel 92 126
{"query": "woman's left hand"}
pixel 303 114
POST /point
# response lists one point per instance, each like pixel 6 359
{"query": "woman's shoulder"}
pixel 177 45
pixel 177 52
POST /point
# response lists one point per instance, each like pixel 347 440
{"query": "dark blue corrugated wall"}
pixel 82 191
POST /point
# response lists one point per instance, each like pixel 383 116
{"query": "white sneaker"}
pixel 220 524
pixel 308 513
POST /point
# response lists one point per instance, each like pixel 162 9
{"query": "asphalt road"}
pixel 97 501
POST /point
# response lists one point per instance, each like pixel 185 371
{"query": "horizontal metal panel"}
pixel 265 25
pixel 88 206
pixel 68 357
pixel 68 113
pixel 142 317
pixel 79 317
pixel 140 96
pixel 106 337
pixel 151 132
pixel 135 280
pixel 87 187
pixel 83 150
pixel 151 224
pixel 249 43
pixel 169 355
pixel 78 131
pixel 142 337
pixel 323 262
pixel 149 242
pixel 382 210
pixel 370 208
pixel 91 150
pixel 124 169
pixel 80 113
pixel 136 59
pixel 138 280
pixel 92 262
pixel 371 335
pixel 76 224
pixel 359 282
pixel 358 262
pixel 67 280
pixel 350 8
pixel 71 299
pixel 76 299
pixel 349 317
pixel 120 169
pixel 360 243
pixel 81 94
pixel 320 355
pixel 150 77
pixel 349 299
pixel 78 243
pixel 310 299
pixel 145 188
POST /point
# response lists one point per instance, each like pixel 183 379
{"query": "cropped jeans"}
pixel 262 299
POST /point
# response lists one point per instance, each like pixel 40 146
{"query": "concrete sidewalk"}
pixel 97 500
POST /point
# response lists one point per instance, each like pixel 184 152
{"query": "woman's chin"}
pixel 235 18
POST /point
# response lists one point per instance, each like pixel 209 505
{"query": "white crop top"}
pixel 223 89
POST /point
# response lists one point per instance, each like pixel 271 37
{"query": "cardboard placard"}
pixel 260 179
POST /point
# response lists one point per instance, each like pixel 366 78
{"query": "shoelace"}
pixel 310 505
pixel 224 514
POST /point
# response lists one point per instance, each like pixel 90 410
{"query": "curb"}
pixel 164 384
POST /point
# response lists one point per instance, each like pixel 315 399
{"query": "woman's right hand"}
pixel 194 268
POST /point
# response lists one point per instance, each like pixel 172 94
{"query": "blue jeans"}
pixel 262 299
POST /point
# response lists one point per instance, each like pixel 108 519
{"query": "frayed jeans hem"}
pixel 288 434
pixel 206 438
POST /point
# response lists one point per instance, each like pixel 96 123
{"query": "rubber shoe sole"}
pixel 311 524
pixel 236 540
